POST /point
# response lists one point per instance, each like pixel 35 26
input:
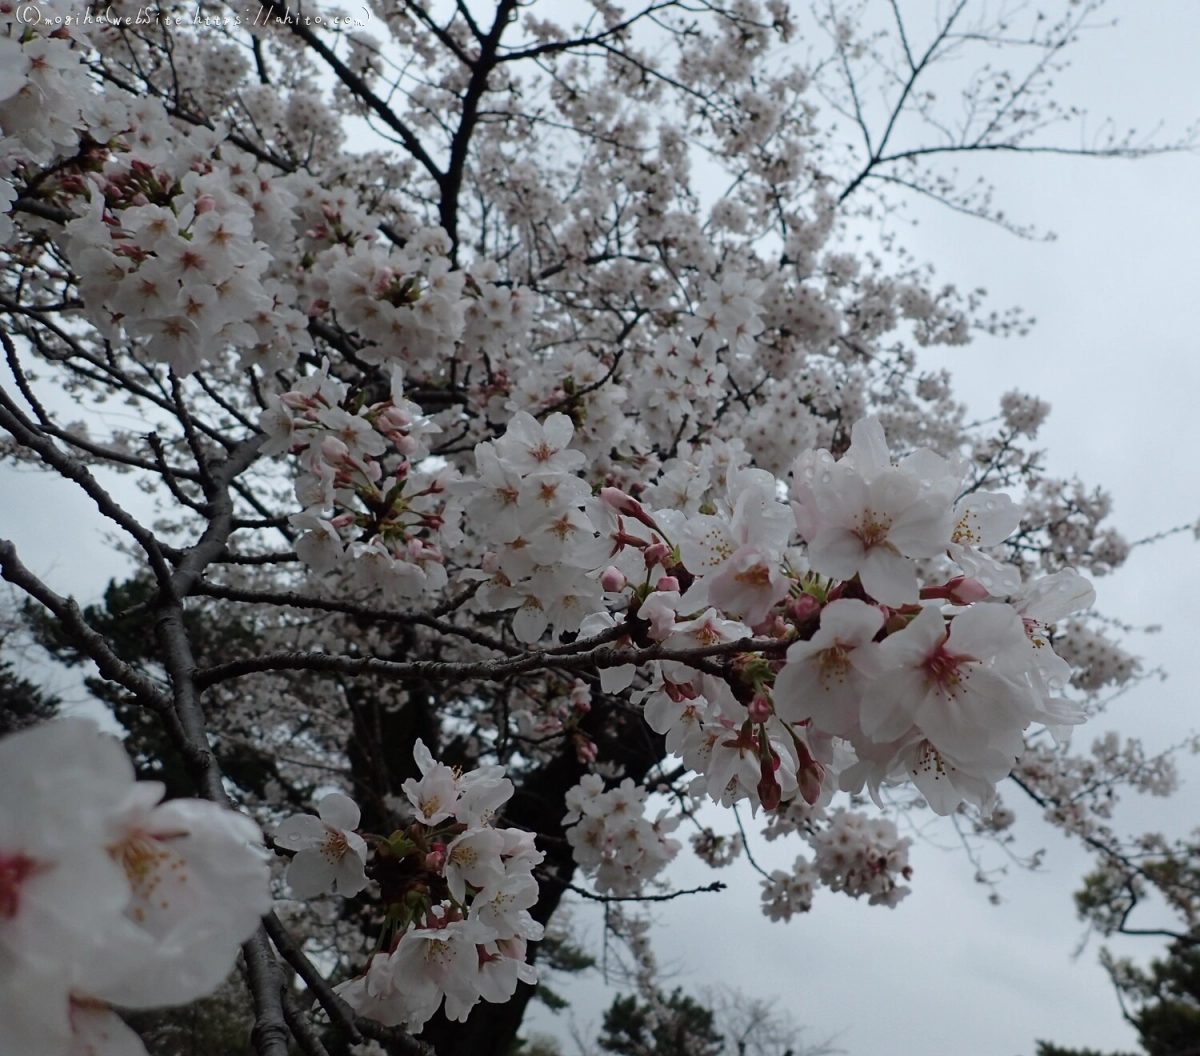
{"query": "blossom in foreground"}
pixel 108 896
pixel 865 516
pixel 824 677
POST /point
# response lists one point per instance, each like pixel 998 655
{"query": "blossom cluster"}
pixel 411 306
pixel 166 248
pixel 42 89
pixel 175 266
pixel 852 853
pixel 876 678
pixel 108 896
pixel 933 684
pixel 611 837
pixel 528 504
pixel 389 522
pixel 457 889
pixel 936 684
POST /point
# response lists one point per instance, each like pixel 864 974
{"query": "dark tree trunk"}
pixel 538 805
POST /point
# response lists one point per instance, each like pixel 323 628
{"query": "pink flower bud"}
pixel 811 778
pixel 490 563
pixel 435 860
pixel 769 792
pixel 963 590
pixel 959 591
pixel 667 583
pixel 406 445
pixel 802 609
pixel 617 501
pixel 334 451
pixel 680 691
pixel 772 627
pixel 395 418
pixel 759 709
pixel 343 520
pixel 656 554
pixel 206 203
pixel 613 579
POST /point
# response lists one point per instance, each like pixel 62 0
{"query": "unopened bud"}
pixel 334 451
pixel 667 583
pixel 206 203
pixel 612 579
pixel 395 418
pixel 656 554
pixel 803 608
pixel 617 501
pixel 759 709
pixel 811 779
pixel 491 562
pixel 962 590
pixel 680 691
pixel 769 792
pixel 772 627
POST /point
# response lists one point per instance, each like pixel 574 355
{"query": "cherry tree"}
pixel 535 460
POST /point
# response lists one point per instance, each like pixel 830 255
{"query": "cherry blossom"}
pixel 825 677
pixel 960 687
pixel 330 855
pixel 863 516
pixel 108 896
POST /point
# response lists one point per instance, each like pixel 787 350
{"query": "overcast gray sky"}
pixel 1115 351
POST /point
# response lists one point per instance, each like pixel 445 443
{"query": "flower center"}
pixel 873 529
pixel 833 663
pixel 946 670
pixel 964 532
pixel 755 576
pixel 335 846
pixel 148 861
pixel 14 870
